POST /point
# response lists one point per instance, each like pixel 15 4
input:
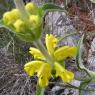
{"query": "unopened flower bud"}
pixel 31 8
pixel 19 26
pixel 35 21
pixel 7 18
pixel 11 16
pixel 16 13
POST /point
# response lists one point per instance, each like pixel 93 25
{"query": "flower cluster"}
pixel 27 27
pixel 44 69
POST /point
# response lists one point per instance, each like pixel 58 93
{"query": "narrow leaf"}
pixel 52 7
pixel 65 36
pixel 1 24
pixel 84 85
pixel 79 61
pixel 79 54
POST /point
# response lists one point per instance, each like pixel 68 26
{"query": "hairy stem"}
pixel 20 6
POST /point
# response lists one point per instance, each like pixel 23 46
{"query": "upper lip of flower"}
pixel 57 54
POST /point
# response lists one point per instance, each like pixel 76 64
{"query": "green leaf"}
pixel 79 54
pixel 79 61
pixel 1 24
pixel 80 64
pixel 68 85
pixel 84 85
pixel 39 90
pixel 65 36
pixel 51 7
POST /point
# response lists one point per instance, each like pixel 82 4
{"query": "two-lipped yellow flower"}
pixel 43 68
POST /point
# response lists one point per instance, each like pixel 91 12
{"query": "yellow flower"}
pixel 44 74
pixel 36 53
pixel 44 71
pixel 31 8
pixel 64 52
pixel 10 17
pixel 51 43
pixel 35 21
pixel 58 53
pixel 19 25
pixel 33 67
pixel 65 75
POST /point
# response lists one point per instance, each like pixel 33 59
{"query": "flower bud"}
pixel 7 18
pixel 19 26
pixel 35 21
pixel 31 8
pixel 10 17
pixel 16 13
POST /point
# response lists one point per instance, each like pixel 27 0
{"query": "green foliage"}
pixel 51 7
pixel 79 61
pixel 83 86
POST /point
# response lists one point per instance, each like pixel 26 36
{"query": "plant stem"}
pixel 20 6
pixel 41 47
pixel 65 36
pixel 70 86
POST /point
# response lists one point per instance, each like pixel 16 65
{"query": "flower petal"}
pixel 32 67
pixel 65 75
pixel 43 81
pixel 44 74
pixel 36 53
pixel 59 69
pixel 51 43
pixel 64 52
